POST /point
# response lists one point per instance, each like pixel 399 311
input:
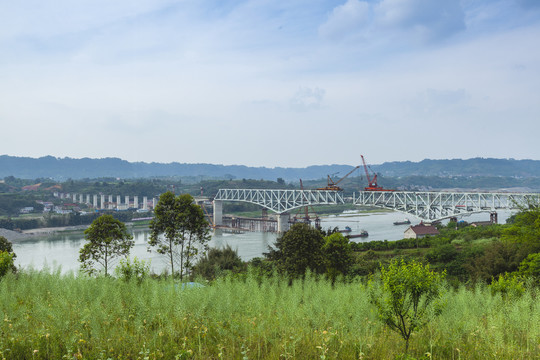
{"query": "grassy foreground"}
pixel 53 316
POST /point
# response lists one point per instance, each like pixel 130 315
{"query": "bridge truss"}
pixel 441 205
pixel 281 201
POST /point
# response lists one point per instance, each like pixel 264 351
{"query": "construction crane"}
pixel 333 186
pixel 372 181
pixel 307 219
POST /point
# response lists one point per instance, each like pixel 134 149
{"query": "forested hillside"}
pixel 86 168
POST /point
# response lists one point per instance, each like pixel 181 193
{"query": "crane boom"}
pixel 372 181
pixel 331 185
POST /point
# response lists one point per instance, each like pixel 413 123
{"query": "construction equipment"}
pixel 333 186
pixel 307 219
pixel 372 181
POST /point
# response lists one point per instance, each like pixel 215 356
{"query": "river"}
pixel 62 249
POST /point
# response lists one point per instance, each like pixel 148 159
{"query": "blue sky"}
pixel 267 83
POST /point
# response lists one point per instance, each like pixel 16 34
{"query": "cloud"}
pixel 431 19
pixel 307 99
pixel 424 20
pixel 344 19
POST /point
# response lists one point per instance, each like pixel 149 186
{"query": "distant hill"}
pixel 68 168
pixel 459 167
pixel 65 168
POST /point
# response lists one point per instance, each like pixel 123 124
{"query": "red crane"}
pixel 372 181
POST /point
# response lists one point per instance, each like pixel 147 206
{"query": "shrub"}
pixel 409 291
pixel 509 286
pixel 217 262
pixel 6 263
pixel 132 270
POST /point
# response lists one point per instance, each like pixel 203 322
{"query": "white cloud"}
pixel 345 19
pixel 430 19
pixel 420 20
pixel 307 99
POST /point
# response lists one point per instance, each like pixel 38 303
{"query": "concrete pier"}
pixel 118 201
pixel 283 222
pixel 126 200
pixel 145 202
pixel 110 207
pixel 218 212
pixel 135 202
pixel 95 202
pixel 102 202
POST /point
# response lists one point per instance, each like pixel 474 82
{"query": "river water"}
pixel 62 249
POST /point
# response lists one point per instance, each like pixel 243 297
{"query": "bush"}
pixel 132 270
pixel 442 253
pixel 509 286
pixel 530 267
pixel 409 291
pixel 6 263
pixel 218 262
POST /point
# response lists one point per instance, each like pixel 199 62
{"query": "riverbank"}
pixel 12 236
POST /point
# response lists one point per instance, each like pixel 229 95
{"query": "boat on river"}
pixel 402 222
pixel 363 233
pixel 346 230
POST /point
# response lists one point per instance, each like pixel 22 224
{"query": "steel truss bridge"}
pixel 281 201
pixel 424 205
pixel 441 205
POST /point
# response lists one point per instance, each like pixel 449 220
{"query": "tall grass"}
pixel 46 315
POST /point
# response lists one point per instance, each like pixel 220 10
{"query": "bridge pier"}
pixel 283 222
pixel 218 212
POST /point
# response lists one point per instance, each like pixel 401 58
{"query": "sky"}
pixel 270 83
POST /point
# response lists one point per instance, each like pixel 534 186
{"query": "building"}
pixel 419 231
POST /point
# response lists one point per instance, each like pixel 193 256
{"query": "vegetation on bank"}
pixel 50 316
pixel 467 293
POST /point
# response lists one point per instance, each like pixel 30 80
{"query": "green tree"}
pixel 184 227
pixel 134 269
pixel 107 239
pixel 509 286
pixel 409 291
pixel 7 247
pixel 219 261
pixel 6 262
pixel 525 229
pixel 338 256
pixel 297 250
pixel 530 267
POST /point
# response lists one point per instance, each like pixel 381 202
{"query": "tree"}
pixel 184 227
pixel 297 250
pixel 530 267
pixel 219 261
pixel 409 291
pixel 525 229
pixel 6 262
pixel 6 245
pixel 107 239
pixel 7 259
pixel 338 255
